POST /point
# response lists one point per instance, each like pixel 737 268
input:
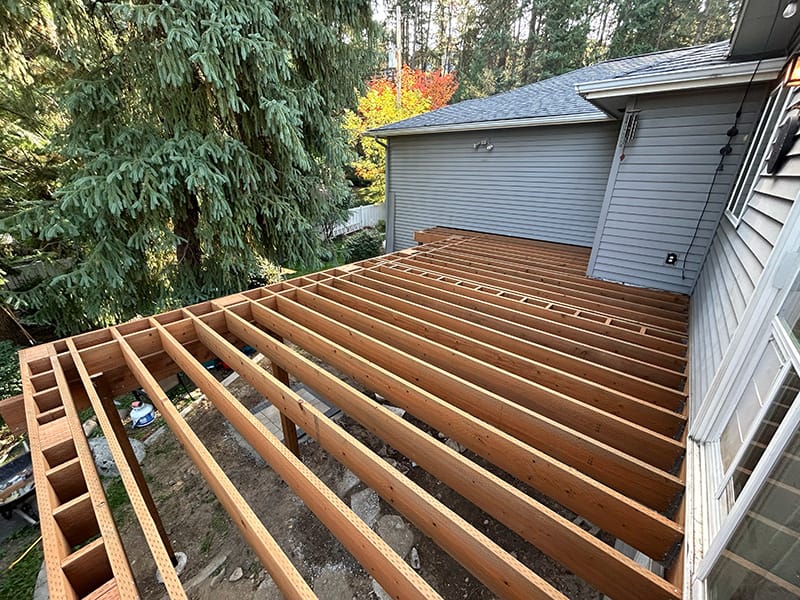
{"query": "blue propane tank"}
pixel 142 414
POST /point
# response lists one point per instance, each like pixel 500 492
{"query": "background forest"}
pixel 154 155
pixel 496 45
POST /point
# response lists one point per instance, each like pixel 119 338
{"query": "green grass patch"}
pixel 118 500
pixel 20 581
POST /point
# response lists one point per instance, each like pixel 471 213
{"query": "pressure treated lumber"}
pixel 133 479
pixel 616 469
pixel 54 543
pixel 570 375
pixel 12 411
pixel 533 274
pixel 594 349
pixel 288 427
pixel 656 449
pixel 589 557
pixel 528 305
pixel 535 263
pixel 277 564
pixel 629 310
pixel 574 387
pixel 497 569
pixel 395 576
pixel 644 529
pixel 101 514
pixel 544 258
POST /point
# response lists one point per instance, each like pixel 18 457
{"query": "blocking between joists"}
pixel 576 391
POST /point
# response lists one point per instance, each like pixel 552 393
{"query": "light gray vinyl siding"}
pixel 733 268
pixel 544 183
pixel 658 190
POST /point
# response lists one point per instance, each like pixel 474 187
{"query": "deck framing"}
pixel 571 386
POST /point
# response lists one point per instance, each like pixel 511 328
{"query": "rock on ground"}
pixel 413 559
pixel 267 590
pixel 397 533
pixel 451 443
pixel 347 483
pixel 89 427
pixel 395 409
pixel 366 504
pixel 332 584
pixel 103 459
pixel 236 575
pixel 40 592
pixel 380 593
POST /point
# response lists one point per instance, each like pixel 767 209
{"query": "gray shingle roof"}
pixel 556 96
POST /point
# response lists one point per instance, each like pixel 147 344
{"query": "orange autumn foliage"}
pixel 436 86
pixel 421 91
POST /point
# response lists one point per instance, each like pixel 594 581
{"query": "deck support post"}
pixel 288 426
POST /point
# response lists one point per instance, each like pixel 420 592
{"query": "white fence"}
pixel 361 217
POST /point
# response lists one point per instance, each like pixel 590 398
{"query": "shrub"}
pixel 10 382
pixel 363 245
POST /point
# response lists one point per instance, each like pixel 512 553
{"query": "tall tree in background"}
pixel 203 136
pixel 488 46
pixel 496 45
pixel 564 37
pixel 32 71
pixel 650 25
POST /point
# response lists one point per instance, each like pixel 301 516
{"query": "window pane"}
pixel 774 417
pixel 752 399
pixel 762 560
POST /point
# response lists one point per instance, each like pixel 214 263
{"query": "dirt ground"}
pixel 199 526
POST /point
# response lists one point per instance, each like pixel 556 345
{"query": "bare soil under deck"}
pixel 200 527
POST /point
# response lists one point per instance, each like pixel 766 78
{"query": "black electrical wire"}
pixel 727 148
pixel 724 152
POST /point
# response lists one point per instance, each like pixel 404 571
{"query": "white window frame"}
pixel 786 365
pixel 781 439
pixel 756 155
pixel 704 517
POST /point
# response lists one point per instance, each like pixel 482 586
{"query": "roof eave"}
pixel 710 76
pixel 500 124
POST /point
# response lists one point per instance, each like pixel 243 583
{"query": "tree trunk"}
pixel 188 252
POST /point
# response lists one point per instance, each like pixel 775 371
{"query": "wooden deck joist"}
pixel 572 387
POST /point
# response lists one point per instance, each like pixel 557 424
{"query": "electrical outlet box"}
pixel 672 258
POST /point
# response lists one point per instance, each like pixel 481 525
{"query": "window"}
pixel 762 558
pixel 756 552
pixel 755 156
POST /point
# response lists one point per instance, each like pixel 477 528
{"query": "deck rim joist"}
pixel 574 387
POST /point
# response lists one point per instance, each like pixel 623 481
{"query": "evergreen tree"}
pixel 31 73
pixel 650 25
pixel 488 47
pixel 564 40
pixel 203 135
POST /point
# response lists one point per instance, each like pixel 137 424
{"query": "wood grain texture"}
pixel 574 387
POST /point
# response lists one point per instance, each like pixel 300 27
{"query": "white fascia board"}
pixel 710 76
pixel 504 124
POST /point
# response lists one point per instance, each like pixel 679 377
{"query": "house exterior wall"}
pixel 657 192
pixel 743 282
pixel 545 183
pixel 733 269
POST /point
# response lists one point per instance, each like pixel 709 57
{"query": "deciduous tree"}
pixel 420 92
